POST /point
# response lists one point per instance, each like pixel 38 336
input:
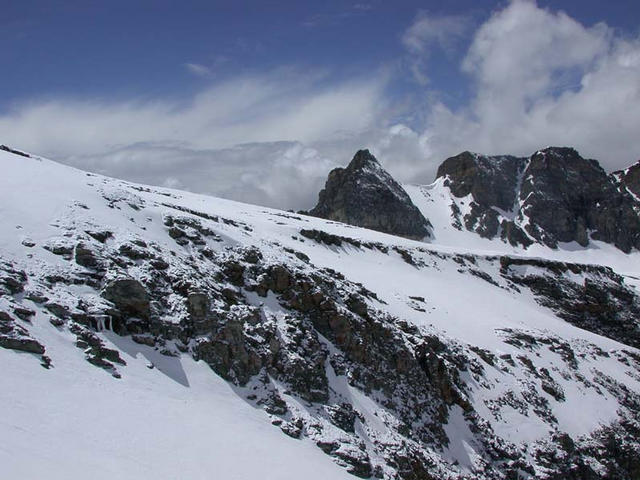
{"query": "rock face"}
pixel 602 304
pixel 365 195
pixel 15 337
pixel 553 197
pixel 129 297
pixel 629 179
pixel 491 180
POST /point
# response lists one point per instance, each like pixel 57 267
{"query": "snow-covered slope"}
pixel 186 336
pixel 436 203
pixel 73 421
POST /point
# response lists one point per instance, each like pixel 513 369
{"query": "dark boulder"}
pixel 198 305
pixel 14 151
pixel 12 281
pixel 23 344
pixel 129 296
pixel 100 235
pixel 227 351
pixel 86 257
pixel 15 337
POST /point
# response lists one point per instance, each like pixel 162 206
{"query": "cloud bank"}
pixel 537 77
pixel 541 78
pixel 246 138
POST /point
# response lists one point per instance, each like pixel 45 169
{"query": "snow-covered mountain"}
pixel 153 333
pixel 555 197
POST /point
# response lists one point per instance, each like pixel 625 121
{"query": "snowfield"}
pixel 76 422
pixel 529 374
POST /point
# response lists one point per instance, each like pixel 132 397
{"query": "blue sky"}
pixel 294 87
pixel 141 48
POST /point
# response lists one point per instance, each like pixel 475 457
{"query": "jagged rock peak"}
pixel 490 179
pixel 567 161
pixel 555 196
pixel 364 163
pixel 366 195
pixel 364 159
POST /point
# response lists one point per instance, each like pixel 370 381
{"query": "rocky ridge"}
pixel 553 197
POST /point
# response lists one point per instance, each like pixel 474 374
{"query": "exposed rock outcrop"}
pixel 491 180
pixel 15 337
pixel 493 184
pixel 568 198
pixel 602 303
pixel 629 178
pixel 365 195
pixel 130 299
pixel 553 197
pixel 14 151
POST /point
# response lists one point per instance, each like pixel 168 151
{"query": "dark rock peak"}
pixel 472 160
pixel 555 196
pixel 565 160
pixel 366 195
pixel 363 159
pixel 561 152
pixel 490 179
pixel 562 195
pixel 368 170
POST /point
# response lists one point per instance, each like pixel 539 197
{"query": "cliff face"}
pixel 365 195
pixel 491 180
pixel 553 197
pixel 629 178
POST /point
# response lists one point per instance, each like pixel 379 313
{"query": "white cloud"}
pixel 429 32
pixel 194 143
pixel 541 78
pixel 280 174
pixel 523 51
pixel 282 105
pixel 198 69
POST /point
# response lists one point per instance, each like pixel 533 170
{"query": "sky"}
pixel 258 101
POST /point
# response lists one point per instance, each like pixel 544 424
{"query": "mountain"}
pixel 153 333
pixel 553 198
pixel 364 194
